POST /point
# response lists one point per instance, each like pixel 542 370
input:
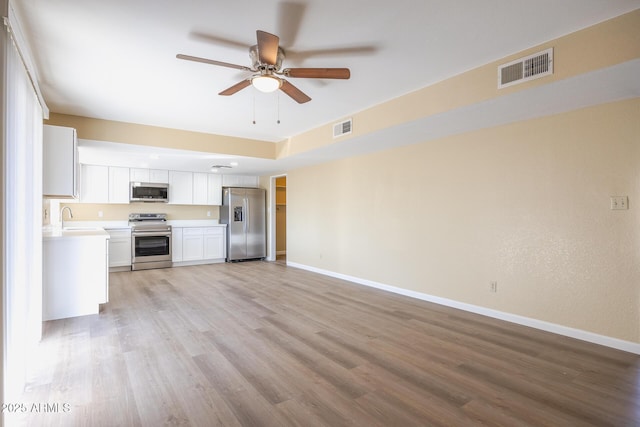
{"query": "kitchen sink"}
pixel 82 229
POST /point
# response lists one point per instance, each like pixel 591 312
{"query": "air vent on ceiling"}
pixel 524 69
pixel 342 128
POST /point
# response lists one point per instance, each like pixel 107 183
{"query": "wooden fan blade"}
pixel 267 47
pixel 299 96
pixel 235 88
pixel 318 73
pixel 290 17
pixel 212 62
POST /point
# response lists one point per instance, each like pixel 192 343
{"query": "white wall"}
pixel 526 205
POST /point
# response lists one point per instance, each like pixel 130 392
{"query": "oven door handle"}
pixel 151 233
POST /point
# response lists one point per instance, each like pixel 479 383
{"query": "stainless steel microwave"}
pixel 149 192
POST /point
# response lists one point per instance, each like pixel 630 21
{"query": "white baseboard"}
pixel 198 262
pixel 604 340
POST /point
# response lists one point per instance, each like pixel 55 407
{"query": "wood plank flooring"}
pixel 262 344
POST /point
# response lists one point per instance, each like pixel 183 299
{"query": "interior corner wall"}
pixel 4 12
pixel 526 205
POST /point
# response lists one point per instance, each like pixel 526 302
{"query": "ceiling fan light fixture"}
pixel 266 84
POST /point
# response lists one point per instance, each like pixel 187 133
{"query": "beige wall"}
pixel 526 205
pixel 609 43
pixel 120 212
pixel 130 133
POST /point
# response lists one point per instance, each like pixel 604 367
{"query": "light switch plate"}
pixel 619 202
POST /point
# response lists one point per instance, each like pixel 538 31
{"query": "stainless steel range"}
pixel 150 241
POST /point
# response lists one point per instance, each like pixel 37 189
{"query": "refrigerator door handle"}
pixel 246 214
pixel 248 222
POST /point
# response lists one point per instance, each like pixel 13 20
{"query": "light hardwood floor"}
pixel 262 344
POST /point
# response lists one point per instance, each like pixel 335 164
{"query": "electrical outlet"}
pixel 619 202
pixel 100 214
pixel 493 286
pixel 208 213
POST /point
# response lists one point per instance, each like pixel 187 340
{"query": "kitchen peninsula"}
pixel 75 271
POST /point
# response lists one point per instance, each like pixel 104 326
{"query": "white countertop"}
pixel 195 223
pixel 98 224
pixel 111 225
pixel 52 233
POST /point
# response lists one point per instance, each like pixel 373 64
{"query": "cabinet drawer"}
pixel 214 231
pixel 123 233
pixel 192 231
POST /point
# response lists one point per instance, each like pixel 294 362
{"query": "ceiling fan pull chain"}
pixel 278 107
pixel 254 107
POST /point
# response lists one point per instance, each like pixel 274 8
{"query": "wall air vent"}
pixel 342 128
pixel 524 69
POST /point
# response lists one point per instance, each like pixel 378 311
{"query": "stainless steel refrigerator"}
pixel 243 210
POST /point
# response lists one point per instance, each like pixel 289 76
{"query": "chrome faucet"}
pixel 62 215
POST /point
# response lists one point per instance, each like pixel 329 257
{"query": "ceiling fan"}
pixel 266 57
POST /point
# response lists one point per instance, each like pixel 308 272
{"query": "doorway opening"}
pixel 278 220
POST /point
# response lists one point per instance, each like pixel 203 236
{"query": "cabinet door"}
pixel 119 247
pixel 240 181
pixel 159 176
pixel 230 181
pixel 139 175
pixel 118 185
pixel 180 188
pixel 214 189
pixel 176 244
pixel 249 181
pixel 119 252
pixel 214 243
pixel 94 184
pixel 192 244
pixel 60 162
pixel 199 188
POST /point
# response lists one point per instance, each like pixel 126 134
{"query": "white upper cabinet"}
pixel 207 189
pixel 60 162
pixel 214 189
pixel 118 185
pixel 94 184
pixel 139 175
pixel 200 184
pixel 157 176
pixel 240 181
pixel 180 188
pixel 112 184
pixel 104 184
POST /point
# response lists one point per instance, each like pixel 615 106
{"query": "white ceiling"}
pixel 115 59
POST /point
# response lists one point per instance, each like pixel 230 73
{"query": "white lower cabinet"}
pixel 176 244
pixel 214 243
pixel 198 245
pixel 192 244
pixel 119 248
